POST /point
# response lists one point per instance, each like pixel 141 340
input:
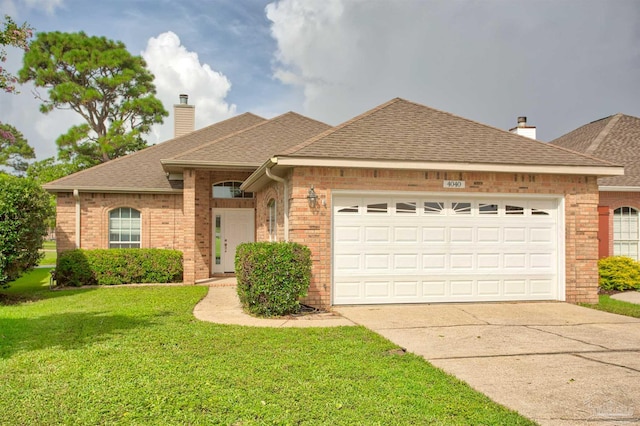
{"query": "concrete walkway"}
pixel 221 305
pixel 555 363
pixel 628 296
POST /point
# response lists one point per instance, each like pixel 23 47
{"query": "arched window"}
pixel 272 221
pixel 230 189
pixel 625 232
pixel 124 228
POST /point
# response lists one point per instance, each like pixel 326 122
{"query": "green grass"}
pixel 50 255
pixel 136 355
pixel 607 304
pixel 49 245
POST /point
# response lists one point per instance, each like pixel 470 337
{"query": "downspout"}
pixel 286 199
pixel 76 195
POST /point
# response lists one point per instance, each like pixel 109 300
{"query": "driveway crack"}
pixel 566 337
pixel 613 364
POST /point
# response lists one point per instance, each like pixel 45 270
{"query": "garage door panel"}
pixel 488 235
pixel 461 235
pixel 488 287
pixel 377 261
pixel 406 262
pixel 405 234
pixel 407 289
pixel 434 261
pixel 347 234
pixel 515 235
pixel 515 287
pixel 434 234
pixel 377 234
pixel 461 261
pixel 377 289
pixel 396 250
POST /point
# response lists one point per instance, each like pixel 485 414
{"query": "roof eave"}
pixel 110 190
pixel 258 179
pixel 619 188
pixel 178 166
pixel 452 166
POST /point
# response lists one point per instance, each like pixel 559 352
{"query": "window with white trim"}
pixel 124 228
pixel 230 189
pixel 272 221
pixel 625 232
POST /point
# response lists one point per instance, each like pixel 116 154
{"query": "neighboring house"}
pixel 615 139
pixel 402 204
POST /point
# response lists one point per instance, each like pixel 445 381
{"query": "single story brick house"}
pixel 402 204
pixel 616 139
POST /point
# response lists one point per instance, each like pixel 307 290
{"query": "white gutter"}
pixel 462 167
pixel 76 195
pixel 619 188
pixel 286 199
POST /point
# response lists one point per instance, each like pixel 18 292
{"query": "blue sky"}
pixel 560 63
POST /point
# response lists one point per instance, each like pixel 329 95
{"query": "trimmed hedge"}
pixel 619 273
pixel 272 277
pixel 118 266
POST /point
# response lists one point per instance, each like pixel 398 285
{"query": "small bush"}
pixel 118 266
pixel 619 273
pixel 272 277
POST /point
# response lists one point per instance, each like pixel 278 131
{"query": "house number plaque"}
pixel 456 184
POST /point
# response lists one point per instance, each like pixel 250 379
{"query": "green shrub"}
pixel 24 211
pixel 118 266
pixel 619 273
pixel 272 277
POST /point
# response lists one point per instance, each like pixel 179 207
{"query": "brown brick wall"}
pixel 614 200
pixel 312 227
pixel 274 191
pixel 176 221
pixel 161 219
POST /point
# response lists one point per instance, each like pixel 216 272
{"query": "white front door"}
pixel 231 227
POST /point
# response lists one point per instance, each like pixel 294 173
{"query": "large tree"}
pixel 14 149
pixel 99 79
pixel 24 210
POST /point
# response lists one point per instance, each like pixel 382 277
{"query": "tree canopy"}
pixel 48 170
pixel 14 149
pixel 99 79
pixel 12 34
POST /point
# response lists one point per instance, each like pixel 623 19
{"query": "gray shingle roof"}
pixel 142 170
pixel 406 131
pixel 253 146
pixel 616 139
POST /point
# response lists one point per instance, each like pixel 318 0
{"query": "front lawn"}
pixel 136 355
pixel 607 304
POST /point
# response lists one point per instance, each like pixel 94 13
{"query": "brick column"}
pixel 189 226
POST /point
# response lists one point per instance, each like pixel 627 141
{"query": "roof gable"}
pixel 142 170
pixel 252 146
pixel 400 130
pixel 616 139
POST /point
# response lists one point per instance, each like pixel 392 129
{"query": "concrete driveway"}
pixel 555 363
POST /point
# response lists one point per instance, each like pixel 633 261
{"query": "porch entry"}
pixel 231 227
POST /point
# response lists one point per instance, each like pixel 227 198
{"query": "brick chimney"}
pixel 184 117
pixel 523 130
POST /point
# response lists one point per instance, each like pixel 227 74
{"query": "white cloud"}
pixel 176 71
pixel 488 61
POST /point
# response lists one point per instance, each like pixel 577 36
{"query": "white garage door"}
pixel 432 248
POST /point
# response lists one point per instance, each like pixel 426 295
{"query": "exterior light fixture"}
pixel 312 197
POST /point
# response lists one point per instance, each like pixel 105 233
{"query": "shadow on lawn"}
pixel 64 331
